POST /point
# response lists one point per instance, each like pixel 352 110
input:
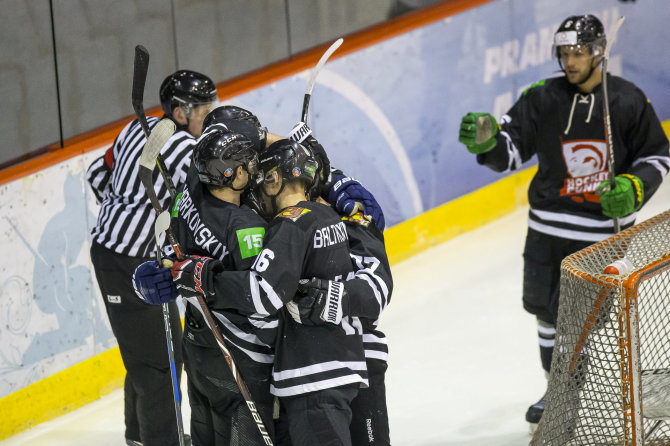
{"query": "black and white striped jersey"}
pixel 207 226
pixel 126 218
pixel 370 285
pixel 302 241
pixel 565 129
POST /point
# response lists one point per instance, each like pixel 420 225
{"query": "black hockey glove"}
pixel 194 276
pixel 318 301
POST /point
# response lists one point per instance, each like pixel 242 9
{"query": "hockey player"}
pixel 123 238
pixel 561 120
pixel 366 294
pixel 315 383
pixel 211 221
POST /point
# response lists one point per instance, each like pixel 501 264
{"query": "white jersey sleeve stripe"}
pixel 660 163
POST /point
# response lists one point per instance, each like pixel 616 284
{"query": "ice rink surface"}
pixel 464 362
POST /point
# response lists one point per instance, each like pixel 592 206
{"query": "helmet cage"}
pixel 188 105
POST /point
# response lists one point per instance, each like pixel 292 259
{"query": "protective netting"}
pixel 613 344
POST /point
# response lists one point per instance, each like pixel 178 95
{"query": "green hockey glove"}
pixel 478 132
pixel 626 197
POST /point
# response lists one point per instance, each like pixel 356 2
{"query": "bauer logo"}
pixel 113 299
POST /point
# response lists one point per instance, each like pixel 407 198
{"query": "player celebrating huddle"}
pixel 561 121
pixel 150 278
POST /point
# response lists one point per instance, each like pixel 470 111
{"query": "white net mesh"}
pixel 613 344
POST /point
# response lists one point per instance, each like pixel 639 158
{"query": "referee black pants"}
pixel 140 331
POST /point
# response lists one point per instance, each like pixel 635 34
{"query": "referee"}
pixel 123 238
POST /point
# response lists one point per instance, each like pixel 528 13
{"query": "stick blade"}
pixel 157 139
pixel 140 71
pixel 162 224
pixel 324 58
pixel 612 36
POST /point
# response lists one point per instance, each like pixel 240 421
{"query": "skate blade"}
pixel 532 427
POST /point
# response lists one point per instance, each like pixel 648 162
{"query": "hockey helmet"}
pixel 187 89
pixel 238 120
pixel 217 155
pixel 291 160
pixel 584 30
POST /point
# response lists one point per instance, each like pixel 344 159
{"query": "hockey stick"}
pixel 140 70
pixel 606 114
pixel 164 130
pixel 156 140
pixel 315 72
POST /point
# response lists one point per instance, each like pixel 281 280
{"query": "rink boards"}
pixel 388 114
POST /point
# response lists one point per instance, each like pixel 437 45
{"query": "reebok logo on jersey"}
pixel 113 299
pixel 368 425
pixel 330 235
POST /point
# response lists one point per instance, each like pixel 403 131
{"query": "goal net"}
pixel 610 372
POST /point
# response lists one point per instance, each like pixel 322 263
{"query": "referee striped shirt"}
pixel 126 218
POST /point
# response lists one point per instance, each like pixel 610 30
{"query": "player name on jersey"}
pixel 330 235
pixel 203 236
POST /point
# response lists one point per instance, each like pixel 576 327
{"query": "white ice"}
pixel 464 362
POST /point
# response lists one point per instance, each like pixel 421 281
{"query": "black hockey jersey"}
pixel 370 286
pixel 565 128
pixel 205 225
pixel 302 241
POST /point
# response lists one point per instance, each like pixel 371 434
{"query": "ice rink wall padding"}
pixel 386 107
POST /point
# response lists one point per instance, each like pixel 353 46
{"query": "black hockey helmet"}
pixel 186 89
pixel 585 30
pixel 217 155
pixel 291 160
pixel 239 120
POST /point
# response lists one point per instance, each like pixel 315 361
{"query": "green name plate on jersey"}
pixel 250 241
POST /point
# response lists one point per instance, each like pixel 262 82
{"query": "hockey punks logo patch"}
pixel 293 212
pixel 586 163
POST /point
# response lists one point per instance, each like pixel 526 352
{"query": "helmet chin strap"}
pixel 275 207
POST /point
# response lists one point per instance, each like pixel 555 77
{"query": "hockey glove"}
pixel 154 285
pixel 194 275
pixel 478 132
pixel 317 302
pixel 626 197
pixel 345 192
